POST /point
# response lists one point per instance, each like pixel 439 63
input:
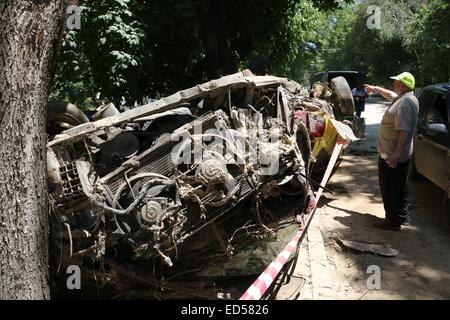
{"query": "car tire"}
pixel 414 175
pixel 343 97
pixel 62 115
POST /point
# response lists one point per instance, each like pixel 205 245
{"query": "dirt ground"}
pixel 327 270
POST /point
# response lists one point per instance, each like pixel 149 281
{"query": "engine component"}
pixel 125 145
pixel 150 212
pixel 213 171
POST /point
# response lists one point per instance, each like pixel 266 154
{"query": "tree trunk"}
pixel 30 33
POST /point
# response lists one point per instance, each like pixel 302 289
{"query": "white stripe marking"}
pixel 286 255
pixel 267 279
pixel 277 266
pixel 254 292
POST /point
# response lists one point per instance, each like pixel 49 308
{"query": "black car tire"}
pixel 343 96
pixel 62 115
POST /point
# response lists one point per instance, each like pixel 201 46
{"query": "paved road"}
pixel 327 270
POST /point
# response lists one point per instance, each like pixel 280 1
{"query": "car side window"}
pixel 436 120
pixel 426 100
pixel 438 112
pixel 435 117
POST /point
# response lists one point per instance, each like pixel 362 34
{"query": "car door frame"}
pixel 432 159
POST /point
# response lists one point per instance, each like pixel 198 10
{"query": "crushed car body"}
pixel 189 179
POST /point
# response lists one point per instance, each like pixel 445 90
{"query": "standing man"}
pixel 359 96
pixel 395 148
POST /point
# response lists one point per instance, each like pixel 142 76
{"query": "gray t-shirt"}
pixel 402 115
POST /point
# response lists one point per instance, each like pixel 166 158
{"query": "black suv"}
pixel 353 77
pixel 431 157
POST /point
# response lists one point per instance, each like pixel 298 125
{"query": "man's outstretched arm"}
pixel 387 94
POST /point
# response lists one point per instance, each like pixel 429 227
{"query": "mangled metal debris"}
pixel 190 179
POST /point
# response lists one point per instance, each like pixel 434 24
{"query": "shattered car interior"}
pixel 190 179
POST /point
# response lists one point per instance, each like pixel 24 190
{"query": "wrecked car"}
pixel 189 179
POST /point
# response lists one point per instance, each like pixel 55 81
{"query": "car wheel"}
pixel 343 96
pixel 62 116
pixel 414 175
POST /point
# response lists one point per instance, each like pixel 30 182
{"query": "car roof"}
pixel 336 71
pixel 440 87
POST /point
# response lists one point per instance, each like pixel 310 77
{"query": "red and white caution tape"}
pixel 265 280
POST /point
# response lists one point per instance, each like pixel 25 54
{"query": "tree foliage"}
pixel 428 39
pixel 104 55
pixel 136 49
pixel 414 36
pixel 149 48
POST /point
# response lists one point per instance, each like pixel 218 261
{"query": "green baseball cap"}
pixel 407 79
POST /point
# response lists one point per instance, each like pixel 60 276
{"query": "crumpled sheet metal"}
pixel 165 104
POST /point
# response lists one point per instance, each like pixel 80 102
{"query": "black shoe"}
pixel 407 222
pixel 386 225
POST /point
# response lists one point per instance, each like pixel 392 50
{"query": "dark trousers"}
pixel 359 107
pixel 394 191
